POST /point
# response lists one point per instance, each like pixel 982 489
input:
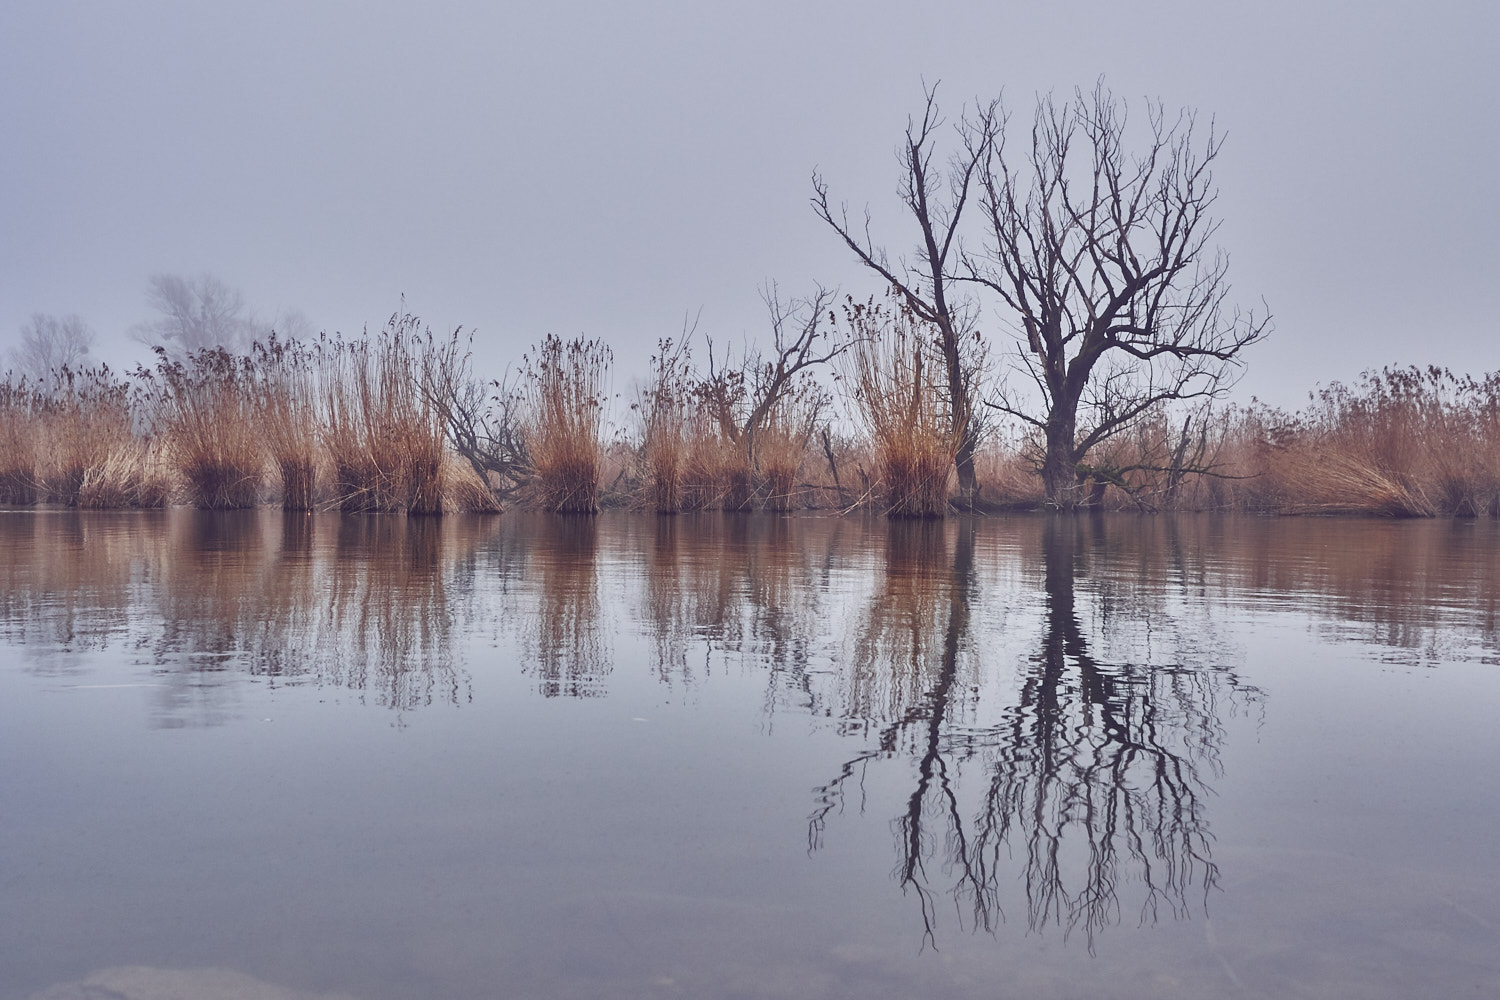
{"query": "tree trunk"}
pixel 968 482
pixel 1059 464
pixel 961 412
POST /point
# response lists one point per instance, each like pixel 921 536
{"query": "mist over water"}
pixel 742 755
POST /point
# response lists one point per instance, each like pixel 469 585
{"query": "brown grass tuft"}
pixel 203 407
pixel 284 398
pixel 898 389
pixel 20 428
pixel 665 410
pixel 384 434
pixel 564 397
pixel 85 420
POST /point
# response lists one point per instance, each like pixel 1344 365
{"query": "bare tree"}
pixel 50 344
pixel 936 200
pixel 195 313
pixel 481 419
pixel 743 397
pixel 1105 258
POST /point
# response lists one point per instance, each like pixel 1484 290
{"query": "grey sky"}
pixel 607 168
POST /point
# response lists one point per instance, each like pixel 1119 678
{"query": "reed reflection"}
pixel 1088 787
pixel 568 647
pixel 366 603
pixel 67 579
pixel 739 589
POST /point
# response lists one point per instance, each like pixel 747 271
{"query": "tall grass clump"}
pixel 713 468
pixel 384 433
pixel 86 423
pixel 665 410
pixel 20 427
pixel 565 394
pixel 1401 442
pixel 897 385
pixel 781 443
pixel 202 406
pixel 283 388
pixel 345 368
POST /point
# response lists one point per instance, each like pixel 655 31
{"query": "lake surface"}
pixel 257 755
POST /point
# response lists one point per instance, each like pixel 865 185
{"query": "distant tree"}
pixel 200 312
pixel 49 344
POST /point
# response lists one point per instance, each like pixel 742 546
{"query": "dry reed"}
pixel 85 420
pixel 284 397
pixel 203 408
pixel 564 397
pixel 384 434
pixel 20 425
pixel 781 443
pixel 898 391
pixel 665 409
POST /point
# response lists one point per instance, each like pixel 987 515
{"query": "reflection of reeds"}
pixel 745 587
pixel 570 649
pixel 565 398
pixel 898 389
pixel 898 651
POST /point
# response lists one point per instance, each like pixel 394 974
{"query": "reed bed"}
pixel 384 432
pixel 202 406
pixel 87 421
pixel 360 421
pixel 564 396
pixel 781 445
pixel 283 388
pixel 665 409
pixel 712 465
pixel 1401 442
pixel 135 474
pixel 20 423
pixel 898 394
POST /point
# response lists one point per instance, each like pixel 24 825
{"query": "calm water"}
pixel 724 756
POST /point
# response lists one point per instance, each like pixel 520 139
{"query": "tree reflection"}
pixel 1094 776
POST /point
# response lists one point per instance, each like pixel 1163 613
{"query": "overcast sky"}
pixel 608 168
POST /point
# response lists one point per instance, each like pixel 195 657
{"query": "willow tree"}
pixel 1103 255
